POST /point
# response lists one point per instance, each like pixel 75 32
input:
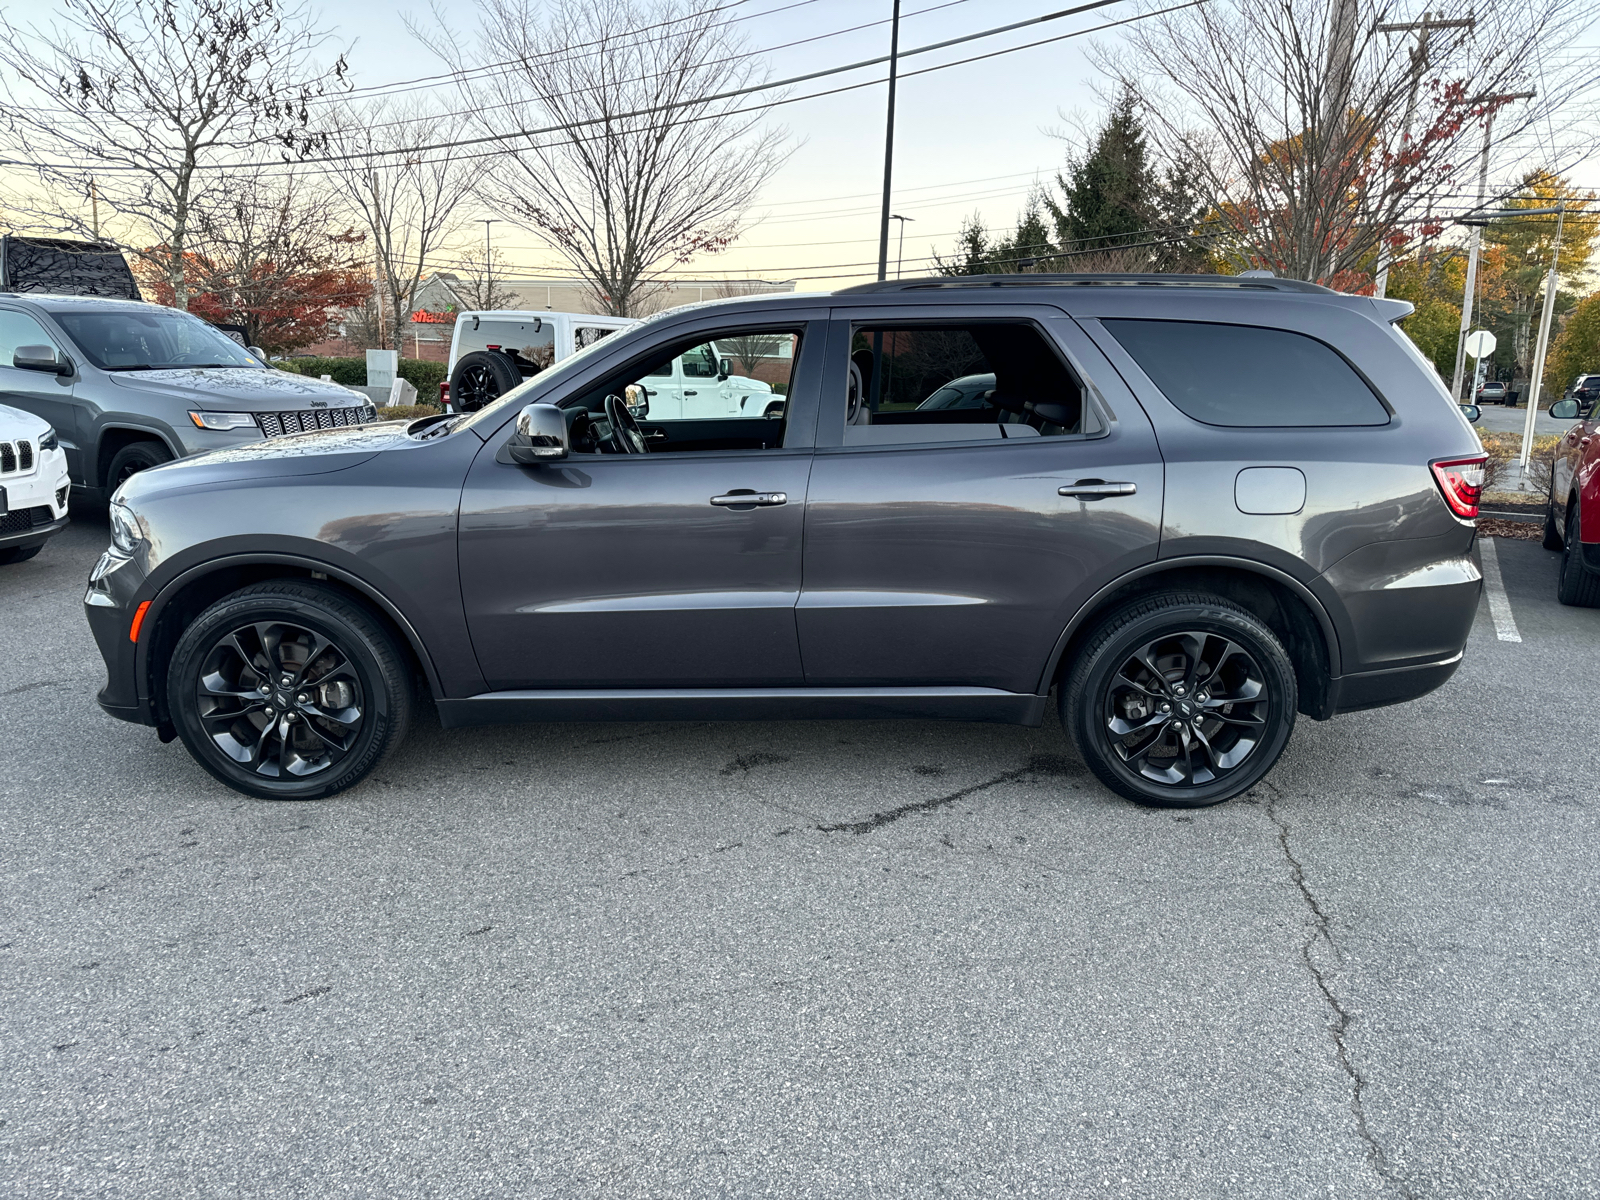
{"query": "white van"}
pixel 492 352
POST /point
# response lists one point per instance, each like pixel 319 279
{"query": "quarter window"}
pixel 1248 376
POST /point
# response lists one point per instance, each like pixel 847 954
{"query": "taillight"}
pixel 1461 481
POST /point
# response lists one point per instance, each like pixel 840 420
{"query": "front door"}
pixel 940 548
pixel 640 570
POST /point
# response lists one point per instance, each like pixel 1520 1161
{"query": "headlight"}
pixel 214 420
pixel 126 535
pixel 49 441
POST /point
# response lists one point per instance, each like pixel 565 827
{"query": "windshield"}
pixel 142 340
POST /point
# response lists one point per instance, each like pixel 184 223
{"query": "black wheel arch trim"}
pixel 1160 566
pixel 172 587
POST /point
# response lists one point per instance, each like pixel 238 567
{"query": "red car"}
pixel 1572 513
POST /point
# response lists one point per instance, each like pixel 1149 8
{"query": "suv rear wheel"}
pixel 481 378
pixel 288 691
pixel 1180 699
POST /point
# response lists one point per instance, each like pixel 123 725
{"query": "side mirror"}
pixel 41 358
pixel 637 400
pixel 540 435
pixel 724 368
pixel 1561 410
pixel 258 352
pixel 1471 412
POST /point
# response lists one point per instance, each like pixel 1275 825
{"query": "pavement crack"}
pixel 1038 765
pixel 1339 1024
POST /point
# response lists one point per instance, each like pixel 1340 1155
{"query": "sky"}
pixel 971 139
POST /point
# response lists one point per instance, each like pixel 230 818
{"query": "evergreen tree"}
pixel 1108 197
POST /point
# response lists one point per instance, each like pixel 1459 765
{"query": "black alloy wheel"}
pixel 131 459
pixel 1180 699
pixel 1552 535
pixel 481 378
pixel 288 691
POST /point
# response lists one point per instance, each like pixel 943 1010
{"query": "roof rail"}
pixel 1043 279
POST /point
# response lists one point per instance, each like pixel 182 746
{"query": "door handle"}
pixel 691 393
pixel 1097 489
pixel 751 499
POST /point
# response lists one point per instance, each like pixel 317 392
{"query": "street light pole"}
pixel 900 258
pixel 488 262
pixel 888 145
pixel 1544 339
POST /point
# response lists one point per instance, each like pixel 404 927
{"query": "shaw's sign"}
pixel 423 317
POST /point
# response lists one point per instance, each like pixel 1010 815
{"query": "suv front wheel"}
pixel 288 691
pixel 1180 699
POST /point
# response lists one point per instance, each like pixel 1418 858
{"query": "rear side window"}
pixel 1244 375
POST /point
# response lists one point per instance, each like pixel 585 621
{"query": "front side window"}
pixel 711 405
pixel 995 379
pixel 1248 376
pixel 143 339
pixel 19 329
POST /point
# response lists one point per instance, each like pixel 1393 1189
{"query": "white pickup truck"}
pixel 700 384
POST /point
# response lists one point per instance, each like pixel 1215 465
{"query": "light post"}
pixel 900 257
pixel 488 262
pixel 888 147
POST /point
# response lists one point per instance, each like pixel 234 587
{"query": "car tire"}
pixel 1576 585
pixel 139 456
pixel 16 555
pixel 480 378
pixel 1176 648
pixel 1552 535
pixel 351 700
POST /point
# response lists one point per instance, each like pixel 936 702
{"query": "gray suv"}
pixel 1188 509
pixel 128 385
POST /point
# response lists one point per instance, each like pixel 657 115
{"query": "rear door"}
pixel 940 550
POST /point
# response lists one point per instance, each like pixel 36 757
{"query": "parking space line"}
pixel 1505 625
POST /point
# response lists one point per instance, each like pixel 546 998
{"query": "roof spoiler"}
pixel 1393 310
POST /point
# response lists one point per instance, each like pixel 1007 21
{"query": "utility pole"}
pixel 901 257
pixel 1550 283
pixel 1477 235
pixel 1419 67
pixel 1329 145
pixel 888 147
pixel 94 208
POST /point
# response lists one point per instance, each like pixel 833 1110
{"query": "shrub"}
pixel 1504 449
pixel 423 375
pixel 408 412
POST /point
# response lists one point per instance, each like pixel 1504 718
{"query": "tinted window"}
pixel 1242 375
pixel 996 379
pixel 530 343
pixel 587 335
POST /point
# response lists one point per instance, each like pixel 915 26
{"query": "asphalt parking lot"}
pixel 806 959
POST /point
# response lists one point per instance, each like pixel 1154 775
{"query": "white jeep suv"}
pixel 33 484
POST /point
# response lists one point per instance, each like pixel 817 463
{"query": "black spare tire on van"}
pixel 481 378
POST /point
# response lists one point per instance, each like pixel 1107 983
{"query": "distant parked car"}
pixel 1572 510
pixel 1585 390
pixel 127 385
pixel 1493 392
pixel 493 351
pixel 33 485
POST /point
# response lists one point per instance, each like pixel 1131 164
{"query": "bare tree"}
pixel 480 281
pixel 408 202
pixel 638 174
pixel 1318 137
pixel 130 108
